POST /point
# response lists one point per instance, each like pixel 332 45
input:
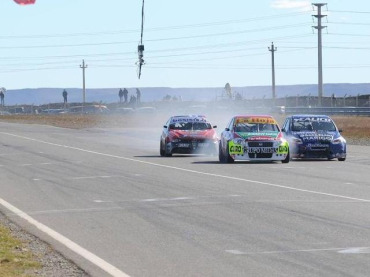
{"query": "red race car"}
pixel 188 134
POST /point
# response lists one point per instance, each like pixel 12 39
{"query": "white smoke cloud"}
pixel 303 5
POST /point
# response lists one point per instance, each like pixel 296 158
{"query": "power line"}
pixel 338 11
pixel 156 40
pixel 176 27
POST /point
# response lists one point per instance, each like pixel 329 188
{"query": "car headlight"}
pixel 175 140
pixel 338 140
pixel 238 141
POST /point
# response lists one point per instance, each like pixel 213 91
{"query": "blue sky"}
pixel 188 43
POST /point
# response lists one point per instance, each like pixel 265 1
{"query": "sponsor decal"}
pixel 312 136
pixel 255 120
pixel 258 136
pixel 312 119
pixel 283 148
pixel 235 149
pixel 258 150
pixel 188 119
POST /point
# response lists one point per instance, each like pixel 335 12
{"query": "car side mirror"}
pixel 340 130
pixel 283 130
pixel 215 126
pixel 227 129
pixel 165 126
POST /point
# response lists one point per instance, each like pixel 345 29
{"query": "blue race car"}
pixel 314 136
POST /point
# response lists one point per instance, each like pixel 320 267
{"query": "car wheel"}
pixel 166 153
pixel 341 159
pixel 161 150
pixel 228 157
pixel 287 159
pixel 221 156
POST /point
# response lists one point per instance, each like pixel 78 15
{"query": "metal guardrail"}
pixel 356 111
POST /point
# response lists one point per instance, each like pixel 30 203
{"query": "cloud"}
pixel 291 4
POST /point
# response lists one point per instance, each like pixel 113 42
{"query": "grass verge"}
pixel 15 258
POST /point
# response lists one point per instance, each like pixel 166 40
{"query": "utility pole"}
pixel 83 66
pixel 319 28
pixel 272 50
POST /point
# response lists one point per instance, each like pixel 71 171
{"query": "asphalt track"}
pixel 106 200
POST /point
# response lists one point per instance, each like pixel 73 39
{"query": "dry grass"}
pixel 354 126
pixel 15 257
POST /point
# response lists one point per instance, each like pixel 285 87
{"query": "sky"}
pixel 188 43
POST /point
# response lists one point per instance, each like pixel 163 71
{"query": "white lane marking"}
pixel 36 179
pixel 349 183
pixel 189 170
pixel 151 200
pixel 26 164
pixel 355 250
pixel 110 269
pixel 363 250
pixel 102 201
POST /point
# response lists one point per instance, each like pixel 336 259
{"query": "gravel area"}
pixel 53 263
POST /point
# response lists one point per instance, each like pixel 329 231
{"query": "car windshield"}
pixel 309 125
pixel 255 127
pixel 190 126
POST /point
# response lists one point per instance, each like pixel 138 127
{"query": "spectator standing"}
pixel 120 94
pixel 138 96
pixel 125 94
pixel 2 96
pixel 65 95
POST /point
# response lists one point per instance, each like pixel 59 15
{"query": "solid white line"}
pixel 110 269
pixel 189 170
pixel 356 250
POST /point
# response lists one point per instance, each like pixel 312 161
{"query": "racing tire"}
pixel 225 158
pixel 161 150
pixel 167 154
pixel 287 159
pixel 341 159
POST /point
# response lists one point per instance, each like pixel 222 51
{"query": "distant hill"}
pixel 110 95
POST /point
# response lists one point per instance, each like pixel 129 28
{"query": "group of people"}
pixel 123 93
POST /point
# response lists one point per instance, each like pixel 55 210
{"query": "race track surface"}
pixel 108 201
